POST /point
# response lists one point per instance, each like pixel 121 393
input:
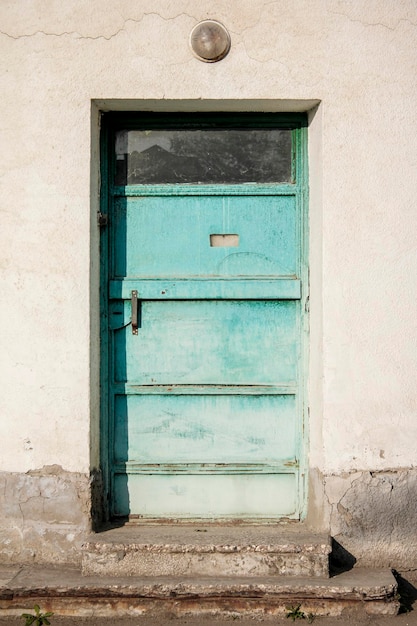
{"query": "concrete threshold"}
pixel 65 591
pixel 207 550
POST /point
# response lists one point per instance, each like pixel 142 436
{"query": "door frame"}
pixel 113 121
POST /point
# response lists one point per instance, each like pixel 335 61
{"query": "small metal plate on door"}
pixel 224 241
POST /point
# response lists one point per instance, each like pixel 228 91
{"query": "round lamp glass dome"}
pixel 210 41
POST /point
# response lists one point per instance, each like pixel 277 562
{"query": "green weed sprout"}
pixel 39 619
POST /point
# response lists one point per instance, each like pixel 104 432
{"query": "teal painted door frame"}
pixel 222 353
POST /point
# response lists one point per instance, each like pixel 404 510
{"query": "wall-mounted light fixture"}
pixel 210 41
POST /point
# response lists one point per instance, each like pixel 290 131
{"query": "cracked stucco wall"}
pixel 44 515
pixel 352 66
pixel 372 515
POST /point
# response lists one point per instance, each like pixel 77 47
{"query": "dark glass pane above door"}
pixel 207 156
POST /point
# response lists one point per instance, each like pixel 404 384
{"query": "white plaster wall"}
pixel 358 59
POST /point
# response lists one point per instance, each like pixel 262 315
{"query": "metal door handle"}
pixel 134 302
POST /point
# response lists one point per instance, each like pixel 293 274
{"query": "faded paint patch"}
pixel 44 515
pixel 373 516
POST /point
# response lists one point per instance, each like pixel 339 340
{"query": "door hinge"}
pixel 102 219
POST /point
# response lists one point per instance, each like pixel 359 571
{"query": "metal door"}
pixel 205 323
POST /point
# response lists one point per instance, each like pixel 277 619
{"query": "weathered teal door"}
pixel 205 319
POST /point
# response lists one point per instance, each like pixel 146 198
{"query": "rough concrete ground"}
pixel 408 619
pixel 407 588
pixel 408 616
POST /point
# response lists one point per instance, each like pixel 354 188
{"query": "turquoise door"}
pixel 204 322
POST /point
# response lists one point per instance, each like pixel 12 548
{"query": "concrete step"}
pixel 206 550
pixel 66 591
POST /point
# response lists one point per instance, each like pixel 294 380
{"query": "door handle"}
pixel 134 304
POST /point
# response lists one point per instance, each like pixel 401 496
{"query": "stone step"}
pixel 206 550
pixel 68 592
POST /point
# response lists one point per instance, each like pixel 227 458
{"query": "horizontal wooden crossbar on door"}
pixel 207 289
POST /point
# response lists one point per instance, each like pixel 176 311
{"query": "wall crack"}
pixel 374 24
pixel 80 36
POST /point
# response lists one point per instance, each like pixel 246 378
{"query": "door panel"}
pixel 205 429
pixel 170 236
pixel 209 342
pixel 180 496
